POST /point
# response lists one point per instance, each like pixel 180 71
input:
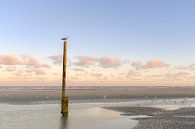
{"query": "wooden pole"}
pixel 64 99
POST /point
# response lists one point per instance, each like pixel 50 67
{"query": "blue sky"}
pixel 139 27
pixel 126 29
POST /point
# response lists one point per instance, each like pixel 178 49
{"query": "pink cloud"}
pixel 85 61
pixel 10 59
pixel 22 65
pixel 155 64
pixel 32 62
pixel 27 60
pixel 149 65
pixel 108 62
pixel 104 62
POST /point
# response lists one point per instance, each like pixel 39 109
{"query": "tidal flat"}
pixel 124 107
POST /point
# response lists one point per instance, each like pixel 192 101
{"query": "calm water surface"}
pixel 46 116
pixel 81 116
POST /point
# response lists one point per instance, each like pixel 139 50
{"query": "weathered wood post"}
pixel 64 99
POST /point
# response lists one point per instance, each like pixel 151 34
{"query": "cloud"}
pixel 27 60
pixel 39 71
pixel 108 62
pixel 155 64
pixel 104 62
pixel 178 75
pixel 96 75
pixel 56 59
pixel 22 65
pixel 19 73
pixel 10 60
pixel 133 73
pixel 182 67
pixel 10 68
pixel 186 67
pixel 126 61
pixel 79 69
pixel 137 65
pixel 28 70
pixel 30 61
pixel 149 65
pixel 85 61
pixel 156 76
pixel 192 67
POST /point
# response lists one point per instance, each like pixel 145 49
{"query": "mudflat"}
pixel 183 118
pixel 96 93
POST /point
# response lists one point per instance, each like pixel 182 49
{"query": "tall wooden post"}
pixel 64 99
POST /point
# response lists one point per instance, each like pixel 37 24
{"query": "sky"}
pixel 111 42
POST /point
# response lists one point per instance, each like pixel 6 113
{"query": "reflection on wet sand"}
pixel 95 118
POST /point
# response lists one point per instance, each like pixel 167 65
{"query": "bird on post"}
pixel 64 38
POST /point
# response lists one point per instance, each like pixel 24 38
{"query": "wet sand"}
pixel 47 116
pixel 96 93
pixel 160 119
pixel 183 118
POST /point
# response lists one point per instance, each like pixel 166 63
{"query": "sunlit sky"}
pixel 111 42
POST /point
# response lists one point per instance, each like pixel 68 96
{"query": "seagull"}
pixel 64 38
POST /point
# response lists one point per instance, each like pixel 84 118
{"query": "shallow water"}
pixel 47 116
